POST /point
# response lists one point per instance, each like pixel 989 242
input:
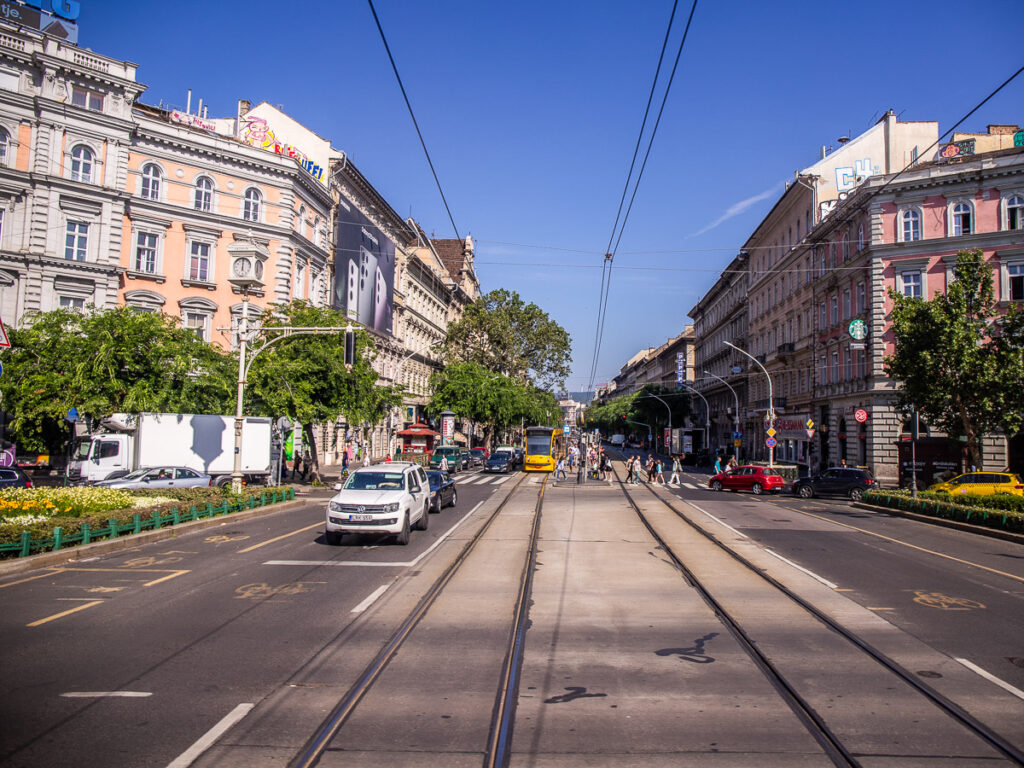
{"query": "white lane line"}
pixel 992 678
pixel 800 568
pixel 503 479
pixel 206 741
pixel 406 564
pixel 105 694
pixel 371 599
pixel 717 520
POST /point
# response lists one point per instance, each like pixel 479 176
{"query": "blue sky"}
pixel 531 110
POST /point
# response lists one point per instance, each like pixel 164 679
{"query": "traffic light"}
pixel 350 347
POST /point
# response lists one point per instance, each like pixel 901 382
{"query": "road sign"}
pixel 770 431
pixel 809 424
pixel 771 442
pixel 860 415
pixel 810 433
pixel 737 442
pixel 737 435
pixel 565 430
pixel 4 341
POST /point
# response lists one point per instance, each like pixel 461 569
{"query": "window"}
pixel 109 449
pixel 848 364
pixel 962 216
pixel 835 367
pixel 83 97
pixel 846 245
pixel 204 194
pixel 5 143
pixel 81 163
pixel 251 205
pixel 822 319
pixel 198 322
pixel 910 221
pixel 74 303
pixel 834 314
pixel 300 281
pixel 860 238
pixel 300 224
pixel 1014 211
pixel 76 241
pixel 1015 272
pixel 199 262
pixel 846 304
pixel 862 299
pixel 145 252
pixel 150 188
pixel 910 284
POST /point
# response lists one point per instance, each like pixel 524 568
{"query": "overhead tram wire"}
pixel 603 304
pixel 405 96
pixel 606 264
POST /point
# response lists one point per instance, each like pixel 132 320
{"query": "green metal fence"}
pixel 112 530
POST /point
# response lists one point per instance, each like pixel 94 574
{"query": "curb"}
pixel 980 530
pixel 81 552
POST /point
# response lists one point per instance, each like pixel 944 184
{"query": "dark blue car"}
pixel 500 461
pixel 442 490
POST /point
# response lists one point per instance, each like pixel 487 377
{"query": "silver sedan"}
pixel 159 477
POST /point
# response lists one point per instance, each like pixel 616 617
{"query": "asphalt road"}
pixel 128 659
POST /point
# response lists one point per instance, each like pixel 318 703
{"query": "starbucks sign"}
pixel 858 330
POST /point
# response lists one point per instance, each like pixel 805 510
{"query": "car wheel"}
pixel 455 498
pixel 856 494
pixel 757 489
pixel 332 538
pixel 403 537
pixel 424 521
pixel 716 485
pixel 805 492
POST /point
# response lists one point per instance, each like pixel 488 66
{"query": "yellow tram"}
pixel 544 446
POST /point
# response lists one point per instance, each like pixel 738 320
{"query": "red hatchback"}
pixel 748 478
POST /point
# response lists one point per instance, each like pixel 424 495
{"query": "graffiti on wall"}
pixel 850 176
pixel 957 149
pixel 257 133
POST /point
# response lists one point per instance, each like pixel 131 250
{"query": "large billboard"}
pixel 365 272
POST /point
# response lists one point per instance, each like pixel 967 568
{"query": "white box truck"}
pixel 618 441
pixel 203 442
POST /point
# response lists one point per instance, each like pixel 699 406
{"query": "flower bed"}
pixel 62 517
pixel 1001 511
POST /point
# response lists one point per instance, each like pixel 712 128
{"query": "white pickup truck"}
pixel 202 442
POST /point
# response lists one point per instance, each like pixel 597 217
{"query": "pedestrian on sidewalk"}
pixel 307 463
pixel 650 468
pixel 560 469
pixel 732 463
pixel 677 467
pixel 297 465
pixel 718 465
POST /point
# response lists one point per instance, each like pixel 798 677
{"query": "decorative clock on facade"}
pixel 246 264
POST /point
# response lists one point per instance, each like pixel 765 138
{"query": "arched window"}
pixel 910 225
pixel 300 224
pixel 962 219
pixel 860 238
pixel 204 194
pixel 150 188
pixel 5 143
pixel 1015 212
pixel 81 163
pixel 251 205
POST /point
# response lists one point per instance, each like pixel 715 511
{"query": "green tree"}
pixel 105 362
pixel 304 377
pixel 958 359
pixel 508 336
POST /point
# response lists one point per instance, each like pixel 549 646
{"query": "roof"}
pixel 452 254
pixel 418 430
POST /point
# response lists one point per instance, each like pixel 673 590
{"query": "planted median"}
pixel 36 520
pixel 1001 511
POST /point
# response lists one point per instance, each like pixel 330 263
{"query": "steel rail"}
pixel 310 753
pixel 955 711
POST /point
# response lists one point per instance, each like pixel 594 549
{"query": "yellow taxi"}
pixel 982 484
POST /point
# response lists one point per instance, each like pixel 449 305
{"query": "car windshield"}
pixel 374 481
pixel 136 475
pixel 499 457
pixel 435 478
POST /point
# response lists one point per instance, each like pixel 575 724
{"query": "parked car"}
pixel 982 484
pixel 835 481
pixel 467 459
pixel 451 452
pixel 442 490
pixel 501 461
pixel 479 456
pixel 12 477
pixel 159 477
pixel 393 498
pixel 748 478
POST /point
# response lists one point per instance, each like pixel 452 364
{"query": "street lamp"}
pixel 707 415
pixel 736 410
pixel 401 369
pixel 649 394
pixel 771 402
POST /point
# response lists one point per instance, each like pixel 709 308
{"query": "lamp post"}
pixel 707 415
pixel 404 360
pixel 736 409
pixel 649 394
pixel 771 402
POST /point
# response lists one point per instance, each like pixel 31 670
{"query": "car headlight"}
pixel 333 506
pixel 391 507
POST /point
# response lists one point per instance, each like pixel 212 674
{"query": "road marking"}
pixel 62 614
pixel 33 578
pixel 800 568
pixel 720 522
pixel 206 741
pixel 911 546
pixel 279 538
pixel 371 599
pixel 945 602
pixel 168 577
pixel 170 574
pixel 503 479
pixel 106 694
pixel 992 678
pixel 406 564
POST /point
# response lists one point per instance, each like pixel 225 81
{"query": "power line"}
pixel 416 124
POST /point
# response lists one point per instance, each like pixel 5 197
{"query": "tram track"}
pixel 499 740
pixel 817 726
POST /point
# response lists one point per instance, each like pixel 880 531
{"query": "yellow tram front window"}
pixel 538 445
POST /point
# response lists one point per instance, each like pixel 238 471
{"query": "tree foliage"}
pixel 628 413
pixel 304 377
pixel 508 336
pixel 105 362
pixel 958 358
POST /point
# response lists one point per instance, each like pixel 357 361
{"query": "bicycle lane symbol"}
pixel 945 602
